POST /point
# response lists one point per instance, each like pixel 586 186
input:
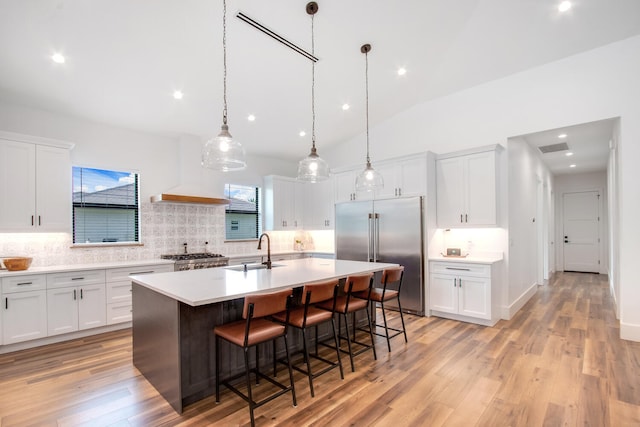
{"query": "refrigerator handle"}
pixel 370 238
pixel 376 237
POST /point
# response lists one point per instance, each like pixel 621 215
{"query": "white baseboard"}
pixel 60 338
pixel 514 307
pixel 629 332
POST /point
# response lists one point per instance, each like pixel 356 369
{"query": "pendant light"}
pixel 313 168
pixel 369 179
pixel 223 153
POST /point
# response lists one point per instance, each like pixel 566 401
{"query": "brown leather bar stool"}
pixel 255 329
pixel 350 304
pixel 391 283
pixel 309 315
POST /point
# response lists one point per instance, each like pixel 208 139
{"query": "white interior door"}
pixel 581 231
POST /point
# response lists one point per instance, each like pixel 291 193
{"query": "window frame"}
pixel 257 212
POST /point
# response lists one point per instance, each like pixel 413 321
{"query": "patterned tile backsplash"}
pixel 164 229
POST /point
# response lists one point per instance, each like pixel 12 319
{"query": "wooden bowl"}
pixel 17 263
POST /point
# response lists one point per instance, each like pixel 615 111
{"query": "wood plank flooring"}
pixel 558 362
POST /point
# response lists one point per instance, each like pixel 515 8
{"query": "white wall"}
pixel 527 176
pixel 591 181
pixel 614 217
pixel 598 84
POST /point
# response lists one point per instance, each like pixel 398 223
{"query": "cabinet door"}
pixel 318 205
pixel 480 189
pixel 24 316
pixel 279 203
pixel 443 293
pixel 450 192
pixel 17 186
pixel 344 183
pixel 475 297
pixel 53 189
pixel 91 307
pixel 412 177
pixel 62 310
pixel 389 172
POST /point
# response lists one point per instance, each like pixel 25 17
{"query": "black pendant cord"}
pixel 224 59
pixel 366 79
pixel 313 91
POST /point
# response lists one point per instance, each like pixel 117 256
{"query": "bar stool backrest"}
pixel 319 291
pixel 391 275
pixel 358 283
pixel 265 304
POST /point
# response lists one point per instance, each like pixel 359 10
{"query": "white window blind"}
pixel 105 206
pixel 242 214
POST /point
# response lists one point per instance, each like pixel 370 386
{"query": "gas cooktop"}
pixel 183 257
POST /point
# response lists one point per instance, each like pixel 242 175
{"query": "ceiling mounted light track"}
pixel 258 26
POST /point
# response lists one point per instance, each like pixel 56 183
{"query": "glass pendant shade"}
pixel 313 168
pixel 369 179
pixel 223 153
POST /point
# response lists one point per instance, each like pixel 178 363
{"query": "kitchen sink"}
pixel 251 267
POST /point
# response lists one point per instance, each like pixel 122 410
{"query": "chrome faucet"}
pixel 268 262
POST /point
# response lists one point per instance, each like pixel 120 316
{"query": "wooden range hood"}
pixel 179 198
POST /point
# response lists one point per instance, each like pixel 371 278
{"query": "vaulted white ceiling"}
pixel 125 58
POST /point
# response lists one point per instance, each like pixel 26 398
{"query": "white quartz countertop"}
pixel 78 267
pixel 206 286
pixel 479 259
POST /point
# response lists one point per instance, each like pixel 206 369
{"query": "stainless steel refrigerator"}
pixel 388 230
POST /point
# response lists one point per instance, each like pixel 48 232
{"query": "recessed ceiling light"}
pixel 251 117
pixel 568 154
pixel 564 6
pixel 562 136
pixel 345 107
pixel 402 71
pixel 302 133
pixel 57 58
pixel 178 94
pixel 572 166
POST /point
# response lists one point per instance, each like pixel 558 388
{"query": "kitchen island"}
pixel 174 315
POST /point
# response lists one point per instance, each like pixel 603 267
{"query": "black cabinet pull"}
pixel 81 296
pixel 77 278
pixel 465 218
pixel 39 220
pixel 32 220
pixel 6 303
pixel 458 268
pixel 460 217
pixel 141 272
pixel 74 295
pixel 24 283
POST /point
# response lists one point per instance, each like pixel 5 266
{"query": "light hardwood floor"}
pixel 559 361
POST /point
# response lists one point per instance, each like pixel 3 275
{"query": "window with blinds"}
pixel 105 206
pixel 243 213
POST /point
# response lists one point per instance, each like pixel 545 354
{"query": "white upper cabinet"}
pixel 292 205
pixel 281 212
pixel 466 189
pixel 35 187
pixel 317 205
pixel 403 177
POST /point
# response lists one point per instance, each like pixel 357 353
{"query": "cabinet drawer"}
pixel 119 313
pixel 461 269
pixel 75 278
pixel 119 291
pixel 23 283
pixel 116 274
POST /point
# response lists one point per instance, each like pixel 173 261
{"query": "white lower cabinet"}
pixel 118 290
pixel 24 308
pixel 75 309
pixel 463 291
pixel 75 301
pixel 51 304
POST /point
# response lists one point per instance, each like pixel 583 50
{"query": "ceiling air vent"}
pixel 554 147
